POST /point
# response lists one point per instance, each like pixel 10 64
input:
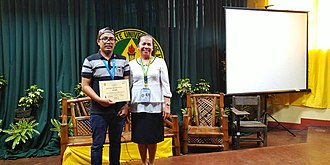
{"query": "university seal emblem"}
pixel 127 42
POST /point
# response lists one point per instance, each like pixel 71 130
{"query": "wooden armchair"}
pixel 208 130
pixel 255 124
pixel 78 111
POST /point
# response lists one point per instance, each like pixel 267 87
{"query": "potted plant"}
pixel 78 91
pixel 21 132
pixel 202 87
pixel 57 127
pixel 184 87
pixel 31 100
pixel 66 95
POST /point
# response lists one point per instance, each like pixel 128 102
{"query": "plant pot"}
pixel 19 147
pixel 23 113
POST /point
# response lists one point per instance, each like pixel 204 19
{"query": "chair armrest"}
pixel 225 128
pixel 185 133
pixel 238 112
pixel 175 123
pixel 175 130
pixel 185 121
pixel 64 137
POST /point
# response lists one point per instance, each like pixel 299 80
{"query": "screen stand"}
pixel 265 114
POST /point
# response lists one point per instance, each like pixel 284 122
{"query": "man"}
pixel 104 66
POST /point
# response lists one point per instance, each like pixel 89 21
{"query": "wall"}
pixel 294 114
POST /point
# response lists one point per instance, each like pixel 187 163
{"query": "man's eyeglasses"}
pixel 106 39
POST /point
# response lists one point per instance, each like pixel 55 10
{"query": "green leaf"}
pixel 21 131
pixel 16 142
pixel 35 131
pixel 10 138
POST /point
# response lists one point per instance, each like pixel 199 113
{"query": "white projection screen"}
pixel 266 51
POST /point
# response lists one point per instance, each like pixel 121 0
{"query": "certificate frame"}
pixel 115 90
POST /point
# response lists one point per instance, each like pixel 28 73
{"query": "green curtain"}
pixel 44 42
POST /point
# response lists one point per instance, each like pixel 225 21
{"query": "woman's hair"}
pixel 143 35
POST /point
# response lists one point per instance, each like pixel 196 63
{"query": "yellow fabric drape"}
pixel 74 155
pixel 318 82
pixel 318 62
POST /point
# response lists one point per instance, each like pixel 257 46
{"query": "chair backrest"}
pixel 251 104
pixel 205 108
pixel 79 113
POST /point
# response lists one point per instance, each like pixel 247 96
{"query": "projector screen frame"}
pixel 302 88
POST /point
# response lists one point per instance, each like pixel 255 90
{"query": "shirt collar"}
pixel 101 57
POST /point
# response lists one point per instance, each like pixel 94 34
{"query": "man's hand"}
pixel 85 86
pixel 105 102
pixel 123 111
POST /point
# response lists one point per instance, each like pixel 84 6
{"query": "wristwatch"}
pixel 168 104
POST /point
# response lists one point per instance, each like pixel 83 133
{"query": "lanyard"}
pixel 113 68
pixel 145 71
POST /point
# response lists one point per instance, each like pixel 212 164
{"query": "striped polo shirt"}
pixel 94 68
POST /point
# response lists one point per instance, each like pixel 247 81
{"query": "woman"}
pixel 150 103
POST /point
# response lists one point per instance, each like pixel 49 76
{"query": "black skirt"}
pixel 147 128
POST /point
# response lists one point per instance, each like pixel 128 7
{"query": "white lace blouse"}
pixel 158 83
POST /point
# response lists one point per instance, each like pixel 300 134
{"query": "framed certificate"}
pixel 115 90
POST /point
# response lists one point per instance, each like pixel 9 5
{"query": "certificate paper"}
pixel 115 90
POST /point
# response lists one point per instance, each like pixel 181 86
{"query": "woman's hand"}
pixel 166 107
pixel 167 111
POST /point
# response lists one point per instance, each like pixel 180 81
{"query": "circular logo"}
pixel 127 41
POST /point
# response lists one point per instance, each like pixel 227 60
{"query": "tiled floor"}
pixel 276 137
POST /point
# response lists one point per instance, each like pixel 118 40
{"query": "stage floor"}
pixel 314 151
pixel 310 146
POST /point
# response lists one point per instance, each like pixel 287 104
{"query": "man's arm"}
pixel 85 86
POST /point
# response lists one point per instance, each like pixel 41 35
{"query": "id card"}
pixel 145 95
